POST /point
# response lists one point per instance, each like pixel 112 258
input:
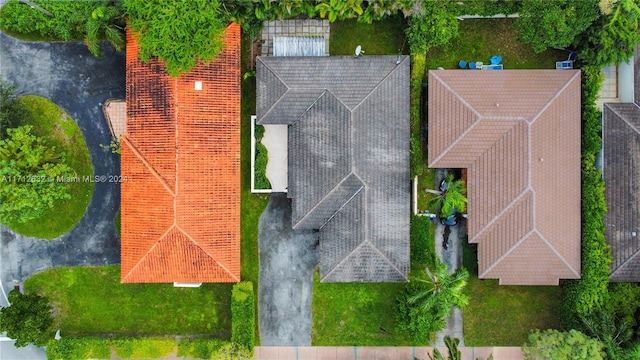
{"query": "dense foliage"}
pixel 613 37
pixel 557 345
pixel 422 244
pixel 261 160
pixel 12 110
pixel 243 315
pixel 434 25
pixel 555 23
pixel 29 173
pixel 588 294
pixel 90 21
pixel 163 31
pixel 418 68
pixel 28 319
pixel 425 304
pixel 213 349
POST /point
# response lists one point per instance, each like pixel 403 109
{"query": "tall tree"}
pixel 613 37
pixel 104 23
pixel 426 303
pixel 180 33
pixel 451 196
pixel 28 319
pixel 31 175
pixel 544 23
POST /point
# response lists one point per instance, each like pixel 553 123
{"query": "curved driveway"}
pixel 75 80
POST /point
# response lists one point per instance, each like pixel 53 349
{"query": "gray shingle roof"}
pixel 621 170
pixel 348 157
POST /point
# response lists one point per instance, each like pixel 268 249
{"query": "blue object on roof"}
pixel 472 65
pixel 462 64
pixel 496 59
pixel 572 56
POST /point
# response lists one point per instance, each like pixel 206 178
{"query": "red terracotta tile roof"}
pixel 517 132
pixel 181 161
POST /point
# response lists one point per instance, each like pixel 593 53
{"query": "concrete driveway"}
pixel 70 76
pixel 287 261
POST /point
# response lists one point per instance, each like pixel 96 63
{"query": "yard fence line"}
pixel 379 353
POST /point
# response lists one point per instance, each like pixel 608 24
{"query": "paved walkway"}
pixel 75 80
pixel 275 140
pixel 380 353
pixel 287 261
pixel 452 256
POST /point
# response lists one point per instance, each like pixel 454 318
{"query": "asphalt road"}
pixel 70 76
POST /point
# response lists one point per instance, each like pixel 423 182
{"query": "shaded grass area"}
pixel 117 222
pixel 360 314
pixel 51 122
pixel 91 301
pixel 502 315
pixel 251 205
pixel 480 39
pixel 384 37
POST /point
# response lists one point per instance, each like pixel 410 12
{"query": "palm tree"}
pixel 450 197
pixel 440 291
pixel 103 24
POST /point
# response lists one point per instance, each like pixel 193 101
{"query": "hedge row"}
pixel 80 348
pixel 422 245
pixel 243 315
pixel 418 68
pixel 589 294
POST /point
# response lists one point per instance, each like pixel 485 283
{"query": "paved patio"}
pixel 275 140
pixel 379 353
pixel 308 27
pixel 115 112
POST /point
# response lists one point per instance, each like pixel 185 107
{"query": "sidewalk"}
pixel 379 353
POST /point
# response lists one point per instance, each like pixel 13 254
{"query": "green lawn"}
pixel 251 205
pixel 60 130
pixel 501 315
pixel 504 315
pixel 360 314
pixel 482 38
pixel 384 37
pixel 91 301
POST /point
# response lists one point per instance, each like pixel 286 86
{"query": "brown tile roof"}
pixel 518 134
pixel 181 161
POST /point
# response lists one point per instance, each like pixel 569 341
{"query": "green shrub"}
pixel 262 158
pixel 141 348
pixel 212 349
pixel 435 25
pixel 243 315
pixel 79 348
pixel 589 294
pixel 422 246
pixel 90 21
pixel 624 302
pixel 557 345
pixel 418 68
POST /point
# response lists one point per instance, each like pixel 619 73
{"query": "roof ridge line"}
pixel 335 267
pixel 324 197
pixel 385 258
pixel 554 97
pixel 395 68
pixel 206 252
pixel 342 206
pixel 623 118
pixel 501 213
pixel 153 171
pixel 148 251
pixel 272 106
pixel 308 107
pixel 467 105
pixel 259 58
pixel 555 251
pixel 508 252
pixel 634 255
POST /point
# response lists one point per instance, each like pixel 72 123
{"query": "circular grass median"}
pixel 53 124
